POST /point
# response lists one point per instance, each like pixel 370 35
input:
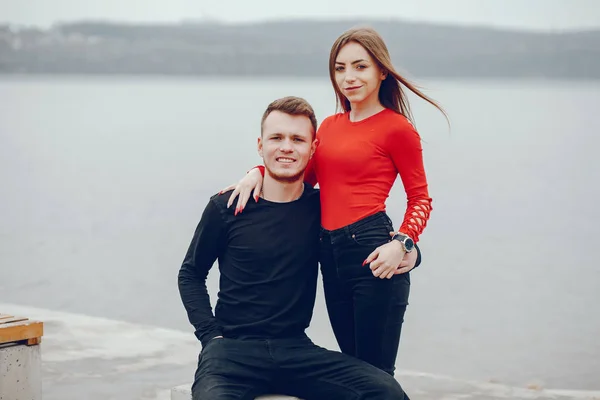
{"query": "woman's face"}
pixel 357 75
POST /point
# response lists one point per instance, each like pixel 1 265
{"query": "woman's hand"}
pixel 385 260
pixel 408 262
pixel 381 262
pixel 251 183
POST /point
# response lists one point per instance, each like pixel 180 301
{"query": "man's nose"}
pixel 286 145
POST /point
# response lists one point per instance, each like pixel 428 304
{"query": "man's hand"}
pixel 408 262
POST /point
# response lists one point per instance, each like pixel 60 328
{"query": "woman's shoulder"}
pixel 333 119
pixel 399 120
pixel 399 127
pixel 330 122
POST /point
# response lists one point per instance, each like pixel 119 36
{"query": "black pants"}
pixel 366 312
pixel 244 369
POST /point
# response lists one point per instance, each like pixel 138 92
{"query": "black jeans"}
pixel 366 312
pixel 240 369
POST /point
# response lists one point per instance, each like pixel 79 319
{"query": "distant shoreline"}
pixel 305 19
pixel 294 48
pixel 7 76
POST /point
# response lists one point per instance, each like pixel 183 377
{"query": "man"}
pixel 268 259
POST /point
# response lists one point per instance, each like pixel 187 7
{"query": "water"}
pixel 103 180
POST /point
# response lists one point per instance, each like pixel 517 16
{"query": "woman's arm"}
pixel 252 183
pixel 407 154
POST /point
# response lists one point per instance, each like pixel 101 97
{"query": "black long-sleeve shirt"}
pixel 268 261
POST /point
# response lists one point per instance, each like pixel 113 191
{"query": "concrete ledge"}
pixel 184 392
pixel 20 358
pixel 20 372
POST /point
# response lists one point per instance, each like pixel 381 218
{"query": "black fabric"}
pixel 366 312
pixel 234 369
pixel 268 263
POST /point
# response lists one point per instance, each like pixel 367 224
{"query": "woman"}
pixel 360 153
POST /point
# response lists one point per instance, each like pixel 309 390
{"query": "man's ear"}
pixel 259 146
pixel 313 147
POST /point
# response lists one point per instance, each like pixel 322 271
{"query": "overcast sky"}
pixel 528 14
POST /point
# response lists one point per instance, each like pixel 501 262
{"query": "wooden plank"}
pixel 23 330
pixel 34 341
pixel 12 319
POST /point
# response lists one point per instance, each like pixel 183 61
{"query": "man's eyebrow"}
pixel 292 134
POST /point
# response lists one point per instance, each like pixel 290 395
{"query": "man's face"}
pixel 286 145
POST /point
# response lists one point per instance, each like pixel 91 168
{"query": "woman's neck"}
pixel 364 109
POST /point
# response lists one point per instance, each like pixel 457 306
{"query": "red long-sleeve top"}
pixel 357 163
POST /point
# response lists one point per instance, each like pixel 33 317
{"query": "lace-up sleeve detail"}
pixel 407 154
pixel 416 217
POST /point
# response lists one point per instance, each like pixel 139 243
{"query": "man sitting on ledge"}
pixel 255 344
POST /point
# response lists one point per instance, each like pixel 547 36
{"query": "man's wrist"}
pixel 209 335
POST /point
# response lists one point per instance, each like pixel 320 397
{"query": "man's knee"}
pixel 224 383
pixel 389 388
pixel 199 391
pixel 207 388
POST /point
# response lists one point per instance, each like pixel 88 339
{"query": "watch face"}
pixel 409 244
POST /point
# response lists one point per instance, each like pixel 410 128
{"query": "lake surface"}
pixel 103 180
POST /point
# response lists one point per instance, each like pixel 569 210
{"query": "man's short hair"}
pixel 293 106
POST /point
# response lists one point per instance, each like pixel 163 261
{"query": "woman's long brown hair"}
pixel 391 94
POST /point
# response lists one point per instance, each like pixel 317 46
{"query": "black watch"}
pixel 407 243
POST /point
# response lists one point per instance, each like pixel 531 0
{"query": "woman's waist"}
pixel 338 219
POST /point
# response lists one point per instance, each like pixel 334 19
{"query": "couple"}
pixel 269 249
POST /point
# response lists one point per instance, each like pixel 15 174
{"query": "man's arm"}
pixel 418 250
pixel 207 244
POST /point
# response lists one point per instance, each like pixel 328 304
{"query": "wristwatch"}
pixel 407 243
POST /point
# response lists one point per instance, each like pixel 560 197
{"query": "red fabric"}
pixel 356 164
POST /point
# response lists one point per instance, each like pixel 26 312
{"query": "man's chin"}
pixel 286 177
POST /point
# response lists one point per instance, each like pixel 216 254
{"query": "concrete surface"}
pixel 20 372
pixel 102 359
